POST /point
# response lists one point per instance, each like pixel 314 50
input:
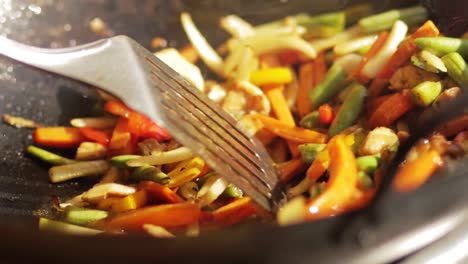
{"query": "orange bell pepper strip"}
pixel 306 84
pixel 407 49
pixel 320 68
pixel 287 170
pixel 415 173
pixel 234 212
pixel 121 141
pixel 160 193
pixel 95 135
pixel 58 137
pixel 295 134
pixel 166 215
pixel 378 44
pixel 341 184
pixel 391 109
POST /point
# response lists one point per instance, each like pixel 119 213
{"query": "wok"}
pixel 395 226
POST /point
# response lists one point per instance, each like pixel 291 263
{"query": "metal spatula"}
pixel 122 67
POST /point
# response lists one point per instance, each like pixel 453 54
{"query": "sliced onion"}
pixel 209 56
pixel 375 64
pixel 354 45
pixel 75 170
pixel 327 43
pixel 102 190
pixel 94 122
pixel 65 228
pixel 292 212
pixel 236 26
pixel 171 156
pixel 245 65
pixel 349 62
pixel 189 191
pixel 263 44
pixel 157 231
pixel 232 61
pixel 90 151
pixel 212 189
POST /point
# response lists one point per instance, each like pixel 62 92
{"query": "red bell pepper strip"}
pixel 142 126
pixel 342 182
pixel 326 115
pixel 117 108
pixel 95 135
pixel 160 193
pixel 166 215
pixel 58 137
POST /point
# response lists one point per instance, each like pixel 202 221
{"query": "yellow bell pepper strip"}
pixel 58 137
pixel 185 172
pixel 234 212
pixel 412 174
pixel 166 215
pixel 160 193
pixel 341 184
pixel 275 75
pixel 295 134
pixel 127 203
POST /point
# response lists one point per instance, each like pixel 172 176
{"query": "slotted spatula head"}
pixel 122 67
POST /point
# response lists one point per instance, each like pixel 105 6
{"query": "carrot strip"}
pixel 320 68
pixel 234 212
pixel 407 49
pixel 415 173
pixel 377 86
pixel 341 185
pixel 95 135
pixel 374 103
pixel 306 83
pixel 121 140
pixel 189 53
pixel 160 192
pixel 454 126
pixel 166 215
pixel 318 167
pixel 265 136
pixel 295 134
pixel 58 137
pixel 287 170
pixel 378 44
pixel 391 109
pixel 279 104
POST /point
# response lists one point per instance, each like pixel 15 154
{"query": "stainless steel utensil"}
pixel 120 66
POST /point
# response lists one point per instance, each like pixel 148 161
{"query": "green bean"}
pixel 334 81
pixel 382 21
pixel 364 180
pixel 47 156
pixel 310 150
pixel 149 173
pixel 311 120
pixel 442 45
pixel 368 164
pixel 82 216
pixel 456 68
pixel 325 25
pixel 232 191
pixel 350 109
pixel 316 189
pixel 121 161
pixel 426 92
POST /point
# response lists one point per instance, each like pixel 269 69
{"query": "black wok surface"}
pixel 51 100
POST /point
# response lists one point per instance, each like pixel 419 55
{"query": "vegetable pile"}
pixel 331 104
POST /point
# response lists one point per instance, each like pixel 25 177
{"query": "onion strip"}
pixel 171 156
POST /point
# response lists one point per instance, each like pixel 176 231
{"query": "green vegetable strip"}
pixel 121 161
pixel 310 150
pixel 332 84
pixel 311 120
pixel 456 68
pixel 149 173
pixel 48 157
pixel 232 191
pixel 364 180
pixel 61 227
pixel 350 110
pixel 443 45
pixel 325 25
pixel 316 189
pixel 367 164
pixel 411 16
pixel 81 216
pixel 426 92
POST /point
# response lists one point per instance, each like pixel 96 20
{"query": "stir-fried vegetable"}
pixel 330 103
